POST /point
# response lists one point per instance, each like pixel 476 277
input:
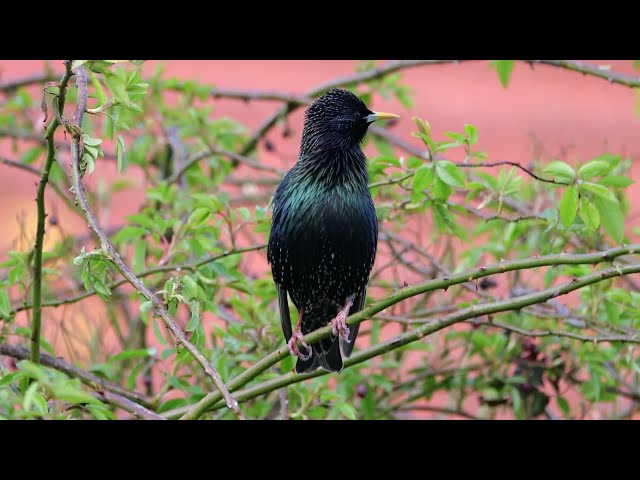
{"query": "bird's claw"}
pixel 339 326
pixel 292 346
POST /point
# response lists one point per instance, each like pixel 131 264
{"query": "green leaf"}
pixel 347 410
pixel 31 155
pixel 33 371
pixel 472 133
pixel 10 378
pixel 600 191
pixel 158 334
pixel 450 174
pixel 423 126
pixel 90 162
pixel 139 255
pixel 595 168
pixel 569 206
pixel 40 403
pixel 618 181
pixel 441 190
pixel 564 405
pixel 102 97
pixel 135 353
pixel 120 149
pixel 100 413
pixel 611 217
pixel 28 396
pixel 413 162
pixel 199 216
pixel 118 88
pixel 190 287
pixel 589 213
pixel 194 321
pixel 91 142
pixel 560 171
pixel 73 395
pixel 5 304
pixel 129 233
pixel 504 69
pixel 423 178
pixel 145 306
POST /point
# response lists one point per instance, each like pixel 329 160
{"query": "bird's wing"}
pixel 285 317
pixel 358 304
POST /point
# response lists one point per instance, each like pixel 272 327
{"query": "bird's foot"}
pixel 339 325
pixel 292 345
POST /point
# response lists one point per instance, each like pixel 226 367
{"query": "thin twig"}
pixel 88 378
pixel 10 85
pixel 112 254
pixel 226 153
pixel 593 71
pixel 28 168
pixel 128 406
pixel 190 267
pixel 371 74
pixel 513 164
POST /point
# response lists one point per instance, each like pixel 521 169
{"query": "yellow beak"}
pixel 381 116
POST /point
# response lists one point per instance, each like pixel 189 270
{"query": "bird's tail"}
pixel 325 354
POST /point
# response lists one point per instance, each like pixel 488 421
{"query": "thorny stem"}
pixel 37 257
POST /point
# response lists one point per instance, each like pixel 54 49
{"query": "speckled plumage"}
pixel 324 228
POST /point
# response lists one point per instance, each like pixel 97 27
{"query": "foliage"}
pixel 196 241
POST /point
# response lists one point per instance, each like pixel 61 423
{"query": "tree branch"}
pixel 88 378
pixel 371 74
pixel 514 303
pixel 513 164
pixel 234 156
pixel 592 70
pixel 109 250
pixel 212 401
pixel 37 256
pixel 128 406
pixel 9 85
pixel 191 267
pixel 28 168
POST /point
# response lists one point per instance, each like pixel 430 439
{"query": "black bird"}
pixel 324 229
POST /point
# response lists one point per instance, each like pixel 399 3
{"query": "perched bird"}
pixel 324 230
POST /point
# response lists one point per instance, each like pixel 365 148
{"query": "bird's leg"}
pixel 293 342
pixel 339 324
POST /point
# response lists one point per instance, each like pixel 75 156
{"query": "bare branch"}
pixel 593 71
pixel 190 267
pixel 371 74
pixel 88 378
pixel 10 85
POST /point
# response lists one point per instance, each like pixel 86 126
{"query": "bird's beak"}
pixel 381 116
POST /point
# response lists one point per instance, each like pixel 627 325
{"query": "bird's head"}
pixel 338 119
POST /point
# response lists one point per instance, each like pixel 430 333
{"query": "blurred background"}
pixel 546 110
pixel 545 113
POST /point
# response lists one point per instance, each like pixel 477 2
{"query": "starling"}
pixel 324 230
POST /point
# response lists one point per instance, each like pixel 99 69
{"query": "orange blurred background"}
pixel 570 116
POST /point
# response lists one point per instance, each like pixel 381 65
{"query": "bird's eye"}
pixel 357 115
